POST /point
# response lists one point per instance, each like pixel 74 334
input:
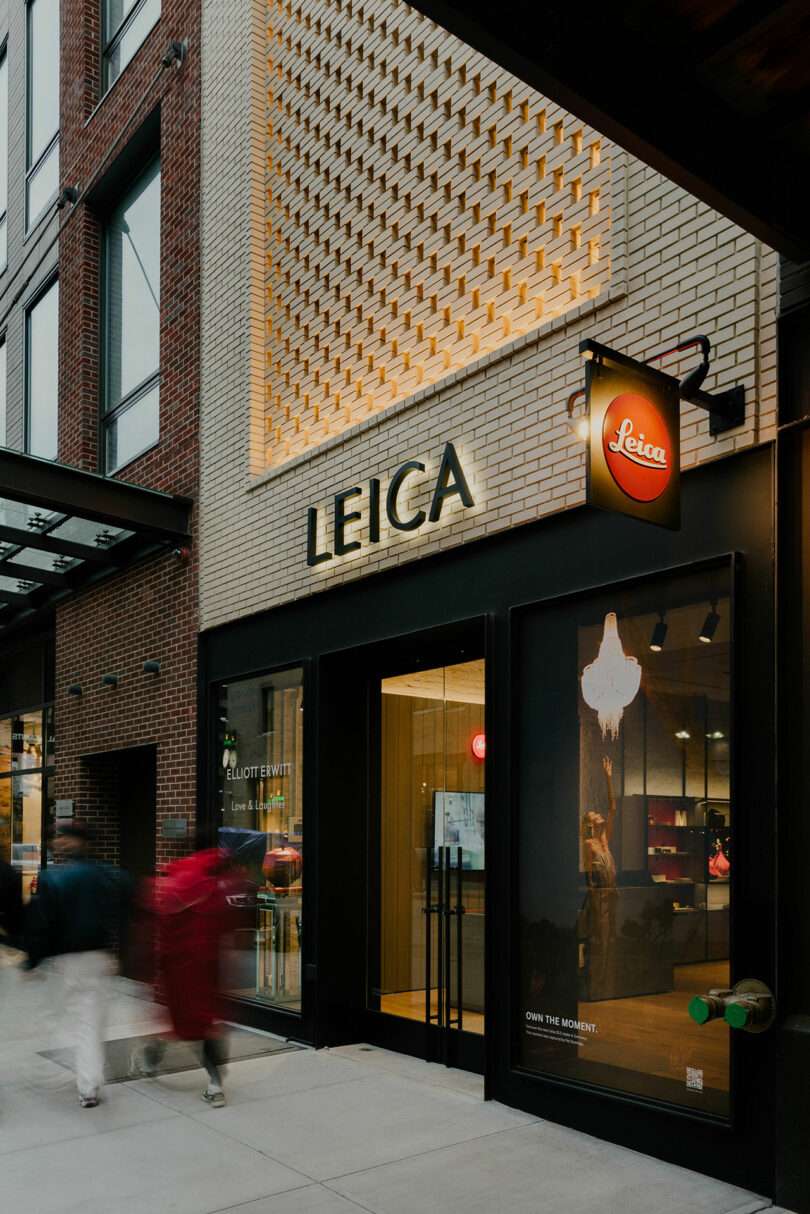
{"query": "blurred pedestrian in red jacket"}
pixel 191 916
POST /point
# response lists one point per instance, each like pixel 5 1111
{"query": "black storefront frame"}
pixel 728 506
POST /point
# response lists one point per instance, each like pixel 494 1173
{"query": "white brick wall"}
pixel 677 268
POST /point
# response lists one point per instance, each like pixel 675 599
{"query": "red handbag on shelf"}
pixel 719 865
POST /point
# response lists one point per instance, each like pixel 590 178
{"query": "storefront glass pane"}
pixel 5 745
pixel 26 826
pixel 625 851
pixel 26 741
pixel 260 765
pixel 432 763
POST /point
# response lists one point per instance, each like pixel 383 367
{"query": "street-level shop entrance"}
pixel 583 709
pixel 427 935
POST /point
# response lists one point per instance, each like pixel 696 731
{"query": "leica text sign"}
pixel 634 440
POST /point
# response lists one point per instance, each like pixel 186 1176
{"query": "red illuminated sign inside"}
pixel 479 746
pixel 638 446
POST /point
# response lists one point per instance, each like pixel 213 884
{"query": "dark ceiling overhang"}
pixel 715 94
pixel 62 529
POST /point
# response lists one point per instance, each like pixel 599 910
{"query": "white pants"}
pixel 85 979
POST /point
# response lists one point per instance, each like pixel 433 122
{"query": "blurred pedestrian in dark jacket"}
pixel 76 918
pixel 10 904
pixel 192 915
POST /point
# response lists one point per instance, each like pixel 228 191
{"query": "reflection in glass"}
pixel 260 761
pixel 43 183
pixel 26 741
pixel 132 321
pixel 126 41
pixel 625 847
pixel 133 289
pixel 26 826
pixel 431 796
pixel 42 362
pixel 43 76
pixel 134 429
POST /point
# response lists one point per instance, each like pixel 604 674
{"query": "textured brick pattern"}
pixel 150 611
pixel 677 268
pixel 423 208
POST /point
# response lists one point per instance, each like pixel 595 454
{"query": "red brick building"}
pixel 126 750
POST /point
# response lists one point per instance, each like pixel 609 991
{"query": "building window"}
pixel 3 435
pixel 126 24
pixel 42 160
pixel 41 374
pixel 132 323
pixel 3 155
pixel 260 811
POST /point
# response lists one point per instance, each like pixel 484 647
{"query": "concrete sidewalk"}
pixel 304 1132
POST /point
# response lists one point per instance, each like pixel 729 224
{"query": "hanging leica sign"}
pixel 634 438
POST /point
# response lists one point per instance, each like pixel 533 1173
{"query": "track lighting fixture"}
pixel 709 628
pixel 659 635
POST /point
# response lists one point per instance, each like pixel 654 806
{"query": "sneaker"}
pixel 215 1097
pixel 88 1102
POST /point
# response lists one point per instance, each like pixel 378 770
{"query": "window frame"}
pixel 4 212
pixel 108 417
pixel 109 42
pixel 32 167
pixel 35 299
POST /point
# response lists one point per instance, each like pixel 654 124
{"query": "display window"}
pixel 261 822
pixel 626 841
pixel 26 810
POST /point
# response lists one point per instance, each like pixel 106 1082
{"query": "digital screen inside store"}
pixel 626 848
pixel 261 823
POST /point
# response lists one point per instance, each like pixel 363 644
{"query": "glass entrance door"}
pixel 429 944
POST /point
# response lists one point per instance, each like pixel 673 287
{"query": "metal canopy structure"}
pixel 62 528
pixel 714 94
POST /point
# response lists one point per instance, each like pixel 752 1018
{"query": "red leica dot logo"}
pixel 638 446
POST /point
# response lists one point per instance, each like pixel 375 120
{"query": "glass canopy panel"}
pixel 23 517
pixel 35 559
pixel 12 584
pixel 85 531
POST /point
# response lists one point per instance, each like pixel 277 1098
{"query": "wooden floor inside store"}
pixel 411 1006
pixel 655 1035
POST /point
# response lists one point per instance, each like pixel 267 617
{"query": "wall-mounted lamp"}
pixel 109 680
pixel 659 635
pixel 706 634
pixel 151 666
pixel 75 689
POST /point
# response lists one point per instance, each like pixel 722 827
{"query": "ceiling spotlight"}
pixel 683 735
pixel 706 634
pixel 659 635
pixel 716 735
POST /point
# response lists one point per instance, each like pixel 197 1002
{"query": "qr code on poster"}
pixel 694 1079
